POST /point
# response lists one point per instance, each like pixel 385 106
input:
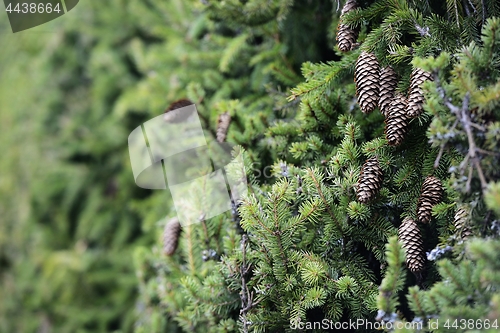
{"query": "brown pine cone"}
pixel 430 195
pixel 346 36
pixel 416 94
pixel 171 234
pixel 348 6
pixel 173 116
pixel 367 81
pixel 462 222
pixel 410 236
pixel 223 123
pixel 396 121
pixel 388 84
pixel 370 180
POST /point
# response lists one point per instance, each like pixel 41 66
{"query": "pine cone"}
pixel 416 93
pixel 346 36
pixel 430 195
pixel 461 222
pixel 410 236
pixel 172 116
pixel 171 236
pixel 388 84
pixel 367 81
pixel 370 180
pixel 348 6
pixel 396 121
pixel 222 126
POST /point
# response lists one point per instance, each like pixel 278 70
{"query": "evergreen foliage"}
pixel 330 178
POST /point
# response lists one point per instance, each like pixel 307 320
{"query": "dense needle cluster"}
pixel 370 180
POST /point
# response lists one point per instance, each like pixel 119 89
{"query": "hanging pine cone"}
pixel 171 236
pixel 222 126
pixel 367 81
pixel 410 236
pixel 346 36
pixel 461 222
pixel 396 121
pixel 370 180
pixel 416 93
pixel 388 84
pixel 172 116
pixel 430 195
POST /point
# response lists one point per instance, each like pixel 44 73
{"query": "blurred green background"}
pixel 71 91
pixel 69 218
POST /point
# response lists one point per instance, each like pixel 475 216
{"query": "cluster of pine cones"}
pixel 370 182
pixel 409 233
pixel 376 87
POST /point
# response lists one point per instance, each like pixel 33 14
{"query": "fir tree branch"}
pixel 327 205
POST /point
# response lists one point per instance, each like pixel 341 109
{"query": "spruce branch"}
pixel 393 281
pixel 320 192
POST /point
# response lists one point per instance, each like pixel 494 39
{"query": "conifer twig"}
pixel 466 8
pixel 246 296
pixel 441 149
pixel 462 114
pixel 327 205
pixel 483 12
pixel 439 155
pixel 469 178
